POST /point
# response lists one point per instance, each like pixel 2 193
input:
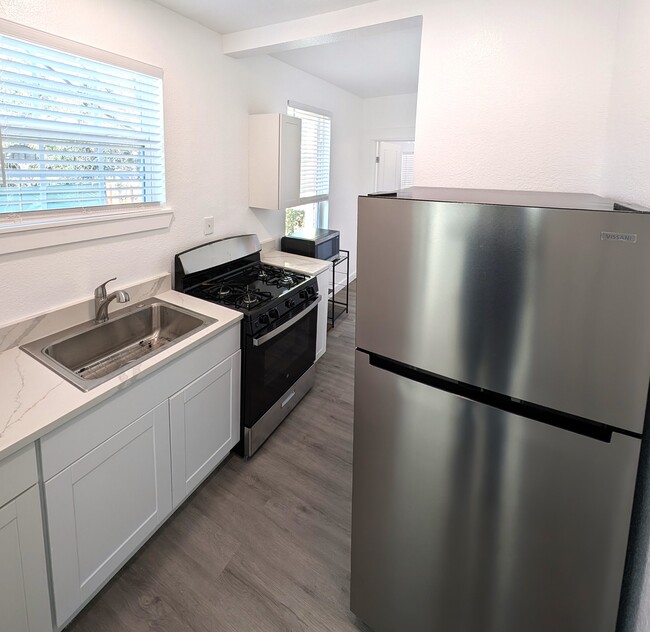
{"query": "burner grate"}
pixel 220 290
pixel 234 294
pixel 281 278
pixel 250 287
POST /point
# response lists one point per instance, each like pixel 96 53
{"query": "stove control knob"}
pixel 303 294
pixel 290 303
pixel 264 319
pixel 273 313
pixel 311 291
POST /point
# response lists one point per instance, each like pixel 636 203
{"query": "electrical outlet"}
pixel 208 225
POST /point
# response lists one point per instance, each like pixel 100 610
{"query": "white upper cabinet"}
pixel 274 161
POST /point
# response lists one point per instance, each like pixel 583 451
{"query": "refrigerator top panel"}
pixel 538 199
pixel 549 306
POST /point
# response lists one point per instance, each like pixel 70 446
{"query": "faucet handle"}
pixel 100 290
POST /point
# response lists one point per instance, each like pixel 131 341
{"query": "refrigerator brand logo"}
pixel 628 237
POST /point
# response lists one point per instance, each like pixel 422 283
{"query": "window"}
pixel 314 169
pixel 306 216
pixel 406 176
pixel 77 132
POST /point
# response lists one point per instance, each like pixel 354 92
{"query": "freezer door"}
pixel 469 519
pixel 548 306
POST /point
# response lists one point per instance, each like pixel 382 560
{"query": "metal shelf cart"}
pixel 337 308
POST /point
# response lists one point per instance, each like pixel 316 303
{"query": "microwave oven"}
pixel 318 243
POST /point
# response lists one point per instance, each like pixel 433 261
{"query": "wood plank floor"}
pixel 263 545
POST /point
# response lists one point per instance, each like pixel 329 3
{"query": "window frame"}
pixel 27 230
pixel 321 200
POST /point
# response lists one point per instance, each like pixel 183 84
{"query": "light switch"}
pixel 208 225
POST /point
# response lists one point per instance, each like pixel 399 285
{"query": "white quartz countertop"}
pixel 34 400
pixel 296 263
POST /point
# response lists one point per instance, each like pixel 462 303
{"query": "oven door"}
pixel 274 360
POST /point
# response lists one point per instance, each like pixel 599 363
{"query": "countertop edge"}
pixel 296 263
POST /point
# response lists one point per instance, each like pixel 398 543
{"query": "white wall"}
pixel 511 94
pixel 269 84
pixel 384 118
pixel 514 94
pixel 628 166
pixel 207 100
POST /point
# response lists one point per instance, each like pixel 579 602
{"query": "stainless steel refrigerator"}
pixel 501 388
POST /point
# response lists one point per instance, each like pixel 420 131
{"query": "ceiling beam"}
pixel 372 17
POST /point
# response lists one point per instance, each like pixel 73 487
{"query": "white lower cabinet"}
pixel 323 289
pixel 204 421
pixel 105 505
pixel 24 596
pixel 109 473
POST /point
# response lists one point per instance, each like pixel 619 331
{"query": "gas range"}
pixel 278 331
pixel 263 293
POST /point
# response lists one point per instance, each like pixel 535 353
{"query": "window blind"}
pixel 76 132
pixel 407 171
pixel 314 153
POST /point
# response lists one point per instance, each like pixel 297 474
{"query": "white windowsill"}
pixel 27 233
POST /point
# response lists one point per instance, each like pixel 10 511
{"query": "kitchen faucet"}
pixel 102 301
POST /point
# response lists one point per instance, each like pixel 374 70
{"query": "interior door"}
pixel 389 166
pixel 466 518
pixel 394 165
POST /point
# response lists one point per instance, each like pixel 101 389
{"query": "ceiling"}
pixel 228 16
pixel 371 62
pixel 368 65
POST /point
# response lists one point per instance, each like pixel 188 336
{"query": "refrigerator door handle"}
pixel 570 423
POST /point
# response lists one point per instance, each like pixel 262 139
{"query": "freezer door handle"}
pixel 585 427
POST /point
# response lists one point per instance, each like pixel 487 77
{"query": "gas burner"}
pixel 285 281
pixel 237 295
pixel 248 300
pixel 282 278
pixel 220 290
pixel 262 275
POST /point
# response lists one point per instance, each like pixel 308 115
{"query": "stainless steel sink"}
pixel 89 354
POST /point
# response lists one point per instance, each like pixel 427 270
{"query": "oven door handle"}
pixel 258 342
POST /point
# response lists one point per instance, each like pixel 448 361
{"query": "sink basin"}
pixel 89 354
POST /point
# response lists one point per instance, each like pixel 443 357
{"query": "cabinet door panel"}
pixel 24 596
pixel 290 132
pixel 101 530
pixel 102 507
pixel 204 425
pixel 274 161
pixel 323 289
pixel 13 603
pixel 18 472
